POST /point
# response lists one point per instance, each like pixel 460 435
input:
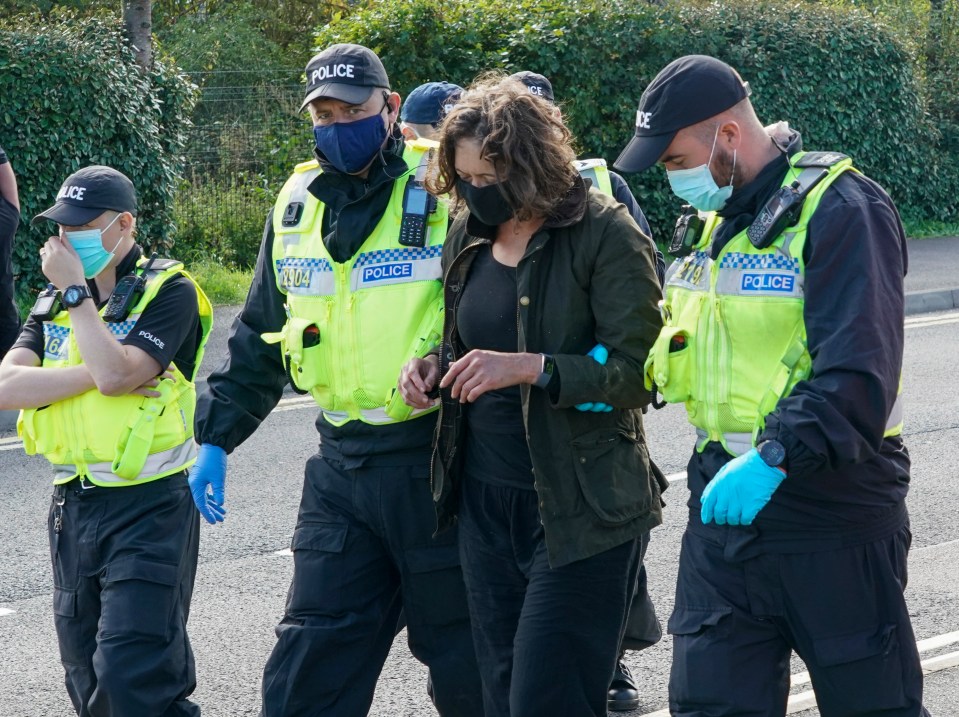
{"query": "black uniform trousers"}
pixel 363 552
pixel 124 562
pixel 546 638
pixel 842 611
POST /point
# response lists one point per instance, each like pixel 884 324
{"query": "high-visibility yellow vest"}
pixel 596 171
pixel 117 440
pixel 352 326
pixel 734 338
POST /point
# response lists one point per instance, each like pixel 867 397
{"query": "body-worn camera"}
pixel 126 294
pixel 689 228
pixel 47 305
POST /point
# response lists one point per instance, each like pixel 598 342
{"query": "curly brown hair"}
pixel 523 136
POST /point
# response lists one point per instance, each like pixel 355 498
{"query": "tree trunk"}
pixel 137 19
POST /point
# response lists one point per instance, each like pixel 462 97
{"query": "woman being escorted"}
pixel 550 500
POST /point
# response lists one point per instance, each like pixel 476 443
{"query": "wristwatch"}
pixel 772 452
pixel 75 295
pixel 546 372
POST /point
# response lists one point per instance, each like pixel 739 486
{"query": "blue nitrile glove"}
pixel 209 471
pixel 740 489
pixel 599 353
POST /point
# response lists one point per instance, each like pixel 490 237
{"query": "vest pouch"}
pixel 27 431
pixel 136 439
pixel 303 343
pixel 670 365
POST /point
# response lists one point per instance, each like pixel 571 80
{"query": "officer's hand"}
pixel 600 354
pixel 147 388
pixel 480 371
pixel 60 264
pixel 417 379
pixel 209 471
pixel 740 489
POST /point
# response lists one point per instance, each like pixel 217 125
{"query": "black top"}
pixel 496 448
pixel 172 320
pixel 842 472
pixel 249 384
pixel 9 315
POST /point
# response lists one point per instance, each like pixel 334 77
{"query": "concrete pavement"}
pixel 932 284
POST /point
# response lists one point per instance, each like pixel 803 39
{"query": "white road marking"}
pixel 285 553
pixel 6 611
pixel 675 476
pixel 932 320
pixel 807 700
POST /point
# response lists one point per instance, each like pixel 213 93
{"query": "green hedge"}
pixel 839 76
pixel 73 96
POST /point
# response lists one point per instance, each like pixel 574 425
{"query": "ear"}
pixel 730 135
pixel 408 134
pixel 126 222
pixel 394 104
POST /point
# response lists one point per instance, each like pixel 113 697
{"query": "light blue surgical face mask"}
pixel 697 187
pixel 88 244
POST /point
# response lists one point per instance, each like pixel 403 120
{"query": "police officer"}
pixel 784 337
pixel 642 628
pixel 425 107
pixel 347 288
pixel 125 335
pixel 9 220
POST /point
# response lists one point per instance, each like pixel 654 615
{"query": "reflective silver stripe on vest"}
pixel 396 266
pixel 299 194
pixel 691 272
pixel 737 443
pixel 897 414
pixel 157 464
pixel 306 277
pixel 759 275
pixel 370 415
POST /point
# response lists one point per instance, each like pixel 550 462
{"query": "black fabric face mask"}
pixel 486 203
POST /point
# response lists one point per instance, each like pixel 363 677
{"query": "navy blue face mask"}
pixel 351 146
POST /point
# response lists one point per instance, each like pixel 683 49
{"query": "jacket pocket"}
pixel 612 467
pixel 670 365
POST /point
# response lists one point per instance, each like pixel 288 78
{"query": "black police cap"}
pixel 344 72
pixel 536 83
pixel 685 92
pixel 89 192
pixel 430 102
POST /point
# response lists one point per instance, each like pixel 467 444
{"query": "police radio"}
pixel 126 294
pixel 47 305
pixel 689 228
pixel 418 204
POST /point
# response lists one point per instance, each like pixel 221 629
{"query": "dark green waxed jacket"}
pixel 587 277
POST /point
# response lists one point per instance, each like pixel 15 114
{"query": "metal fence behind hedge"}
pixel 246 137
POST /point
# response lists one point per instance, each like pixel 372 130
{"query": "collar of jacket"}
pixel 567 212
pixel 747 200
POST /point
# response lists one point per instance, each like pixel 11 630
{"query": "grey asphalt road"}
pixel 242 580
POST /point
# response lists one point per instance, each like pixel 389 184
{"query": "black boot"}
pixel 623 694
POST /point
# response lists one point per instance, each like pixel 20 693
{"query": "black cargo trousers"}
pixel 363 554
pixel 124 562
